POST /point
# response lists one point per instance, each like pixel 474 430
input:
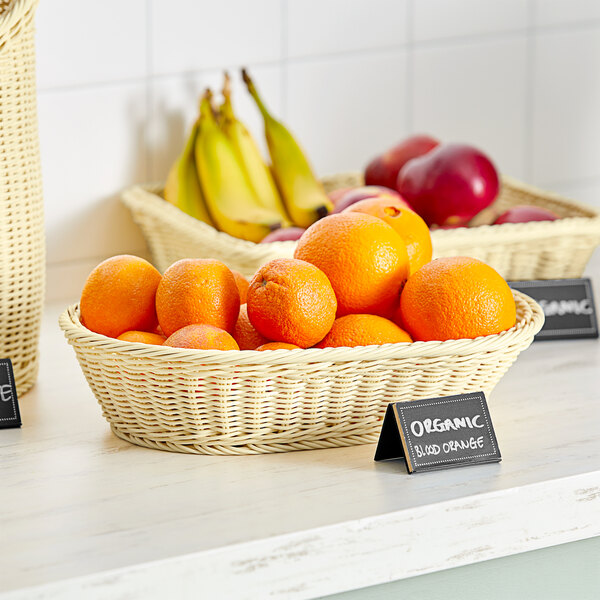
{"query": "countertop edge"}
pixel 358 553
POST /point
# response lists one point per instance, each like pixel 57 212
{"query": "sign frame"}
pixel 397 433
pixel 10 415
pixel 566 333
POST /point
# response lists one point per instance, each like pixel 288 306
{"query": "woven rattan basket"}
pixel 541 250
pixel 22 255
pixel 248 402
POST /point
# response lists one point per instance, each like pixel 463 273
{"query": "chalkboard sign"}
pixel 439 433
pixel 568 305
pixel 9 405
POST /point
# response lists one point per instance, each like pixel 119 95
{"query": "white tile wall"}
pixel 92 145
pixel 345 110
pixel 344 25
pixel 189 35
pixel 587 192
pixel 83 42
pixel 566 106
pixel 475 93
pixel 119 83
pixel 440 19
pixel 562 12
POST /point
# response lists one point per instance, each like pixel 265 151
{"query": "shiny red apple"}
pixel 283 234
pixel 524 214
pixel 450 184
pixel 383 170
pixel 364 192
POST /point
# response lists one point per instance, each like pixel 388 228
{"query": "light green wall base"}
pixel 566 572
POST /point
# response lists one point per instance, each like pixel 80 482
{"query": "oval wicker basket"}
pixel 22 249
pixel 539 250
pixel 248 402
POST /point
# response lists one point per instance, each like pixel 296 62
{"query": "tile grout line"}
pixel 425 44
pixel 283 62
pixel 149 92
pixel 529 90
pixel 410 67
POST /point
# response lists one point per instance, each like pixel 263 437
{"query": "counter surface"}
pixel 85 514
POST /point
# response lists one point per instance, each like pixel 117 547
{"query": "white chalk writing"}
pixel 418 428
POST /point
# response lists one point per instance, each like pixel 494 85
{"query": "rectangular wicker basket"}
pixel 248 402
pixel 539 250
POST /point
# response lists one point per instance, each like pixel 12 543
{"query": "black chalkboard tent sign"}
pixel 439 433
pixel 9 404
pixel 568 306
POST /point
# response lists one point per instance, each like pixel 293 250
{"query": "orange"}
pixel 277 346
pixel 197 290
pixel 142 337
pixel 363 330
pixel 244 333
pixel 406 223
pixel 119 296
pixel 202 337
pixel 455 298
pixel 242 285
pixel 291 301
pixel 364 258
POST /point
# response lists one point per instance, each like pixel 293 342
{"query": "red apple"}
pixel 383 170
pixel 450 184
pixel 524 214
pixel 283 234
pixel 364 192
pixel 335 195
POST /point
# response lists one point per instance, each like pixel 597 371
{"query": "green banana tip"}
pixel 250 84
pixel 246 77
pixel 254 93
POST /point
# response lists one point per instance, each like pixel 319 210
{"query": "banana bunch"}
pixel 302 193
pixel 221 178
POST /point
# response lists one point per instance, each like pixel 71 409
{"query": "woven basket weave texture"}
pixel 22 250
pixel 541 250
pixel 247 402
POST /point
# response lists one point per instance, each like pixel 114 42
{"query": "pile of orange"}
pixel 358 278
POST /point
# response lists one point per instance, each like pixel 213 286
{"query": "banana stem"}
pixel 206 109
pixel 226 85
pixel 227 107
pixel 254 93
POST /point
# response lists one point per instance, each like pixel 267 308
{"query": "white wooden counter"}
pixel 85 515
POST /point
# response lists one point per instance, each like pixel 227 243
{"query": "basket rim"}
pixel 506 231
pixel 151 192
pixel 530 319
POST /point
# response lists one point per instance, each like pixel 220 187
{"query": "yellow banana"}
pixel 183 187
pixel 258 174
pixel 302 193
pixel 229 198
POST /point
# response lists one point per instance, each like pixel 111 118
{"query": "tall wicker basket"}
pixel 22 251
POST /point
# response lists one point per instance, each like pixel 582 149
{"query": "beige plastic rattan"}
pixel 22 254
pixel 172 235
pixel 541 250
pixel 248 402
